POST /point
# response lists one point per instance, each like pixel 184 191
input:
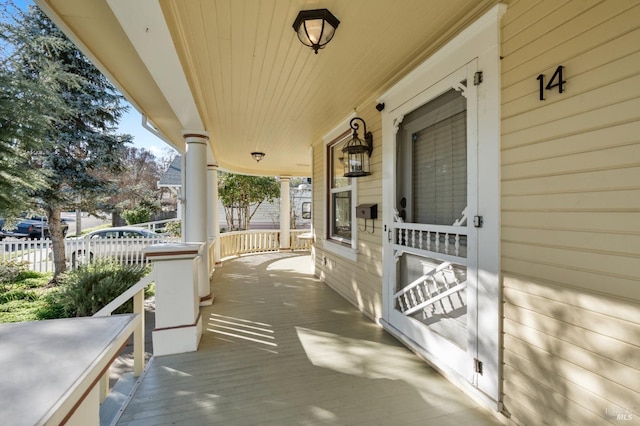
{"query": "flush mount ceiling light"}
pixel 315 28
pixel 357 152
pixel 258 156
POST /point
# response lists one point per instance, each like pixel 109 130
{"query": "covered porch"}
pixel 280 347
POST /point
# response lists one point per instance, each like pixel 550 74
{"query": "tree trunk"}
pixel 57 240
pixel 228 212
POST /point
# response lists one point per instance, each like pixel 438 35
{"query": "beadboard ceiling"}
pixel 236 69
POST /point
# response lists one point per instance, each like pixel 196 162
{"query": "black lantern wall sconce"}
pixel 315 28
pixel 357 152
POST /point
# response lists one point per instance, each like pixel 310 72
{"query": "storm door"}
pixel 433 290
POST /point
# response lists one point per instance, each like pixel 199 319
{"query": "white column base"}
pixel 176 340
pixel 208 300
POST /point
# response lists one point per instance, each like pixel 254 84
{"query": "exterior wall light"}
pixel 315 28
pixel 357 152
pixel 258 156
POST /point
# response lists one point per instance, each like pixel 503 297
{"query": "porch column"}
pixel 176 274
pixel 214 214
pixel 195 218
pixel 285 214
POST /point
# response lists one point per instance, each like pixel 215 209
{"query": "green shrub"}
pixel 27 274
pixel 173 228
pixel 10 271
pixel 21 292
pixel 136 215
pixel 21 310
pixel 50 308
pixel 17 294
pixel 86 290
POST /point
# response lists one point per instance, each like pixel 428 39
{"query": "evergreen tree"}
pixel 25 107
pixel 80 149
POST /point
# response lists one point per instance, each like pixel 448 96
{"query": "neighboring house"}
pixel 505 169
pixel 268 214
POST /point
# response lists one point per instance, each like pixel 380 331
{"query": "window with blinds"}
pixel 341 195
pixel 434 141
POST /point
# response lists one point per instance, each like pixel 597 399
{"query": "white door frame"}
pixel 481 41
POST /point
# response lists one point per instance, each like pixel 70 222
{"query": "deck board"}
pixel 281 348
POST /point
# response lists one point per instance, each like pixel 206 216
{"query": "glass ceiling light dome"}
pixel 258 156
pixel 315 28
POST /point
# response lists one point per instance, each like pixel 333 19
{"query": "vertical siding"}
pixel 571 212
pixel 360 282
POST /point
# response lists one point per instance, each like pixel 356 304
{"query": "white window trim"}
pixel 342 250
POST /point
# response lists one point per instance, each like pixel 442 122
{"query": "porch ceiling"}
pixel 236 69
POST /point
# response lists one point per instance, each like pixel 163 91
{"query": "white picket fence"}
pixel 38 253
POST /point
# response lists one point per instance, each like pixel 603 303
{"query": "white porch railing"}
pixel 231 243
pixel 301 239
pixel 212 255
pixel 260 241
pixel 135 292
pixel 38 254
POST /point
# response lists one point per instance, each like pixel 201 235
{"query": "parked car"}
pixel 123 243
pixel 33 227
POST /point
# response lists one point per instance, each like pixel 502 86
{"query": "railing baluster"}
pixel 138 335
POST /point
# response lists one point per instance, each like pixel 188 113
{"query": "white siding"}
pixel 359 282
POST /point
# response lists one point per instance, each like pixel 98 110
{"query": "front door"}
pixel 431 247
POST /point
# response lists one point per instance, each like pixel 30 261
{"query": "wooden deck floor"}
pixel 281 348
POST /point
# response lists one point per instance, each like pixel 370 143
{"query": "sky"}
pixel 131 123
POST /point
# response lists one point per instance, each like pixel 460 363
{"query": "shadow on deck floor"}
pixel 280 347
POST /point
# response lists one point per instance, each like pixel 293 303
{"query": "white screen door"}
pixel 432 242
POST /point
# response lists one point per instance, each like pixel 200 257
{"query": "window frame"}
pixel 343 247
pixel 305 210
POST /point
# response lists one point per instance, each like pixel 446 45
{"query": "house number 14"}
pixel 557 80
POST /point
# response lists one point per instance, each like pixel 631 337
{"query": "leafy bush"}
pixel 139 214
pixel 10 271
pixel 50 306
pixel 173 228
pixel 86 290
